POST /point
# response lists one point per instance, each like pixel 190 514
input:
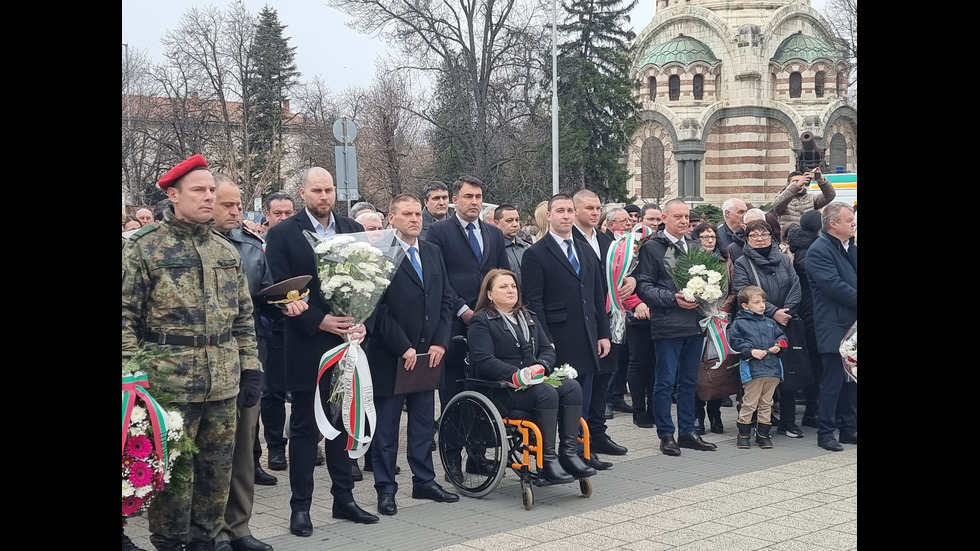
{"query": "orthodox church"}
pixel 734 95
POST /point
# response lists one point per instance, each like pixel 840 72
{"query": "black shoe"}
pixel 263 478
pixel 453 468
pixel 717 427
pixel 128 545
pixel 848 438
pixel 480 465
pixel 791 431
pixel 350 511
pixel 248 543
pixel 694 442
pixel 387 505
pixel 277 459
pixel 435 493
pixel 699 426
pixel 596 463
pixel 223 546
pixel 603 444
pixel 669 446
pixel 355 471
pixel 609 412
pixel 726 402
pixel 621 405
pixel 642 420
pixel 300 524
pixel 831 444
pixel 809 421
pixel 319 457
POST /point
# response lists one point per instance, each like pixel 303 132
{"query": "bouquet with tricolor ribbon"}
pixel 621 259
pixel 150 435
pixel 354 269
pixel 702 277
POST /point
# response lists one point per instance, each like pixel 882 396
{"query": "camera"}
pixel 816 173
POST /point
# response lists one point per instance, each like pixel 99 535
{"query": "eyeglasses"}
pixel 758 236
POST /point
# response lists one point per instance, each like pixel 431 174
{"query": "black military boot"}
pixel 568 436
pixel 762 435
pixel 547 421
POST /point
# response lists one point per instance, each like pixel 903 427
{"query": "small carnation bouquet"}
pixel 355 270
pixel 153 440
pixel 558 375
pixel 849 352
pixel 702 277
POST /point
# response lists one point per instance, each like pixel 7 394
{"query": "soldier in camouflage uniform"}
pixel 184 293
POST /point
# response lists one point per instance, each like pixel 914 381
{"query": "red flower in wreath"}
pixel 140 474
pixel 131 505
pixel 139 446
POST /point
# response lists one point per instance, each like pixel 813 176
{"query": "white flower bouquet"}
pixel 849 352
pixel 702 277
pixel 355 270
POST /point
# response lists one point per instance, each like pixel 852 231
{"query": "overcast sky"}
pixel 325 46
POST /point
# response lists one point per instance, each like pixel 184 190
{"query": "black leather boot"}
pixel 568 433
pixel 717 426
pixel 762 435
pixel 547 421
pixel 699 421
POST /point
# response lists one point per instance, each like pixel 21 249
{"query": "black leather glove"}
pixel 249 388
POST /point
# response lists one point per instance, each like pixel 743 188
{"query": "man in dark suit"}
pixel 562 281
pixel 831 268
pixel 414 317
pixel 471 248
pixel 307 337
pixel 585 231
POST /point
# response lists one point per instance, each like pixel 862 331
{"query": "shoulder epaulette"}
pixel 145 230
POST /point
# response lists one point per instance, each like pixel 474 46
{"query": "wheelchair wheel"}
pixel 528 497
pixel 472 430
pixel 585 485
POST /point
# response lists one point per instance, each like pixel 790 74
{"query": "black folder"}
pixel 421 378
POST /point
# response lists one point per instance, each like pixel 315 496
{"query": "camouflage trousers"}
pixel 194 512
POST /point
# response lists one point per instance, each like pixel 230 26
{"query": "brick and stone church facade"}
pixel 734 95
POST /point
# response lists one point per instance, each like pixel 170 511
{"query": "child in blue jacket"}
pixel 757 339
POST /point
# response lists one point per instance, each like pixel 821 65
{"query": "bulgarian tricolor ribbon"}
pixel 620 261
pixel 134 385
pixel 357 406
pixel 717 338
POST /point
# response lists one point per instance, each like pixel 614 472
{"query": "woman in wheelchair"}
pixel 507 343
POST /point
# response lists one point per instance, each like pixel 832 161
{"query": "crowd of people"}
pixel 218 298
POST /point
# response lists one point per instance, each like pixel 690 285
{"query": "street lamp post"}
pixel 129 129
pixel 554 100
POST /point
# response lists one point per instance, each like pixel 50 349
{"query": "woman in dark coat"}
pixel 506 342
pixel 764 265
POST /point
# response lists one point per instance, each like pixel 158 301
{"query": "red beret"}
pixel 195 162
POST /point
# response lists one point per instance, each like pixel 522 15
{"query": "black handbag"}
pixel 797 371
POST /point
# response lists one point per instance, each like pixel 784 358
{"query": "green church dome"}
pixel 683 49
pixel 807 48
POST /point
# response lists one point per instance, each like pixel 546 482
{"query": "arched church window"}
pixel 698 86
pixel 653 88
pixel 674 86
pixel 818 84
pixel 795 84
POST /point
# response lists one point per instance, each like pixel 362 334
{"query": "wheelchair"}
pixel 491 442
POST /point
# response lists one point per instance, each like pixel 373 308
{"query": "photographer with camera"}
pixel 795 199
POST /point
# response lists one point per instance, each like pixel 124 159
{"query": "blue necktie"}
pixel 571 257
pixel 415 262
pixel 474 244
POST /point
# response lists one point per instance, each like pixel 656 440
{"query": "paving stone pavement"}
pixel 793 497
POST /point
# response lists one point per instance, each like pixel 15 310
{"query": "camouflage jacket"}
pixel 181 278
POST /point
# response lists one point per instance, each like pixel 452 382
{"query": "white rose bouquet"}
pixel 558 375
pixel 702 277
pixel 354 269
